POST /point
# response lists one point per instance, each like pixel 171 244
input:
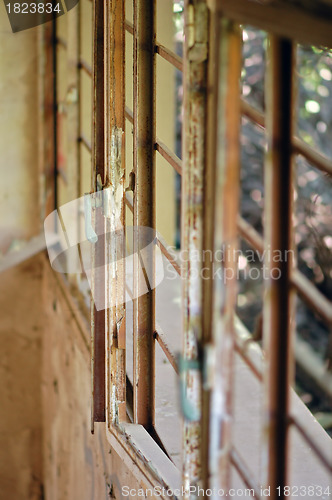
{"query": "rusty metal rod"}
pixel 160 242
pixel 160 338
pixel 86 143
pixel 299 147
pixel 169 56
pixel 129 114
pixel 129 202
pixel 163 247
pixel 322 457
pixel 244 473
pixel 85 67
pixel 160 49
pixel 314 157
pixel 308 292
pixel 169 156
pixel 98 253
pixel 278 237
pixel 129 27
pixel 61 42
pixel 144 207
pixel 241 351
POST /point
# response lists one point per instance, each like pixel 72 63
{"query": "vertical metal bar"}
pixel 228 65
pixel 144 206
pixel 72 123
pixel 79 114
pixel 192 217
pixel 72 102
pixel 55 110
pixel 98 254
pixel 115 219
pixel 208 227
pixel 278 241
pixel 47 137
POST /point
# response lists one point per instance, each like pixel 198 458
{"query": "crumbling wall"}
pixel 21 328
pixel 19 203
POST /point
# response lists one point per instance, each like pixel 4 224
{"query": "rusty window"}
pixel 217 348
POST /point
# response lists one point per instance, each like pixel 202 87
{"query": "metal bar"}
pixel 169 56
pixel 322 457
pixel 160 338
pixel 160 242
pixel 278 238
pixel 129 202
pixel 241 351
pixel 313 297
pixel 61 42
pixel 47 118
pixel 129 114
pixel 55 110
pixel 85 67
pixel 250 234
pixel 72 107
pixel 160 49
pixel 245 473
pixel 98 254
pixel 144 207
pixel 169 156
pixel 129 27
pixel 228 66
pixel 314 157
pixel 86 143
pixel 308 292
pixel 114 13
pixel 252 113
pixel 299 147
pixel 163 247
pixel 192 221
pixel 209 468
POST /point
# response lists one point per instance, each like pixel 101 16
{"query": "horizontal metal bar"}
pixel 160 241
pixel 299 147
pixel 169 156
pixel 324 460
pixel 129 27
pixel 61 42
pixel 250 234
pixel 160 338
pixel 242 352
pixel 129 114
pixel 317 159
pixel 85 67
pixel 252 113
pixel 163 247
pixel 62 174
pixel 169 56
pixel 244 473
pixel 85 142
pixel 160 49
pixel 129 202
pixel 308 292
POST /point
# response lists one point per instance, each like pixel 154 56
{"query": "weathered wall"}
pixel 77 465
pixel 19 204
pixel 20 380
pixel 46 447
